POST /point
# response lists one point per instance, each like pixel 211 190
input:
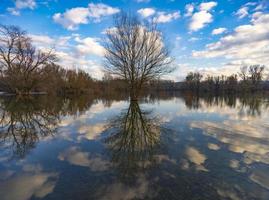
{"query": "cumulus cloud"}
pixel 146 12
pixel 73 51
pixel 219 31
pixel 189 8
pixel 247 44
pixel 70 19
pixel 203 17
pixel 22 4
pixel 163 17
pixel 73 17
pixel 207 6
pixel 90 46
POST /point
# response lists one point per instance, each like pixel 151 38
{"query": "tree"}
pixel 135 52
pixel 193 80
pixel 20 62
pixel 256 75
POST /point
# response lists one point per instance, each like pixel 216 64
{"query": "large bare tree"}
pixel 136 52
pixel 20 62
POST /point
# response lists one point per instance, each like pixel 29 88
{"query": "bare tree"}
pixel 20 62
pixel 256 74
pixel 135 52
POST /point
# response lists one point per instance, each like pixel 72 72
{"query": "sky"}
pixel 213 37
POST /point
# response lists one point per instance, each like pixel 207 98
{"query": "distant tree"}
pixel 193 80
pixel 136 53
pixel 20 62
pixel 256 73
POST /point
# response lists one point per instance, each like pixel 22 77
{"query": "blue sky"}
pixel 209 36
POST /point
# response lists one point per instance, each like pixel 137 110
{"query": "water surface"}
pixel 162 147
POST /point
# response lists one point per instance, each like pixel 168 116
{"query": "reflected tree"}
pixel 23 122
pixel 133 137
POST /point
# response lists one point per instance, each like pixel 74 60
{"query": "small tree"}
pixel 135 52
pixel 20 62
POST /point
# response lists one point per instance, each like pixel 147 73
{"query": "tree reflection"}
pixel 134 135
pixel 248 104
pixel 24 121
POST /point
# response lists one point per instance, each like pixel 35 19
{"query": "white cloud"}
pixel 242 12
pixel 73 51
pixel 248 44
pixel 189 8
pixel 97 11
pixel 219 31
pixel 89 46
pixel 199 20
pixel 207 6
pixel 164 17
pixel 70 19
pixel 22 4
pixel 146 12
pixel 73 17
pixel 203 17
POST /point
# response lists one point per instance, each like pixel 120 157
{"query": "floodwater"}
pixel 166 146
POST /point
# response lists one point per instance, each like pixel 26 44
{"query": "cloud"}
pixel 163 17
pixel 97 11
pixel 189 8
pixel 89 46
pixel 219 31
pixel 73 51
pixel 20 5
pixel 73 17
pixel 203 17
pixel 146 12
pixel 207 6
pixel 242 12
pixel 248 44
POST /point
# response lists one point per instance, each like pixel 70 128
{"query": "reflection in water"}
pixel 246 104
pixel 24 121
pixel 218 148
pixel 133 136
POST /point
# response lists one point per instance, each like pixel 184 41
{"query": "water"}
pixel 163 147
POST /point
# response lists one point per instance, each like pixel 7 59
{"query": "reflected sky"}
pixel 166 146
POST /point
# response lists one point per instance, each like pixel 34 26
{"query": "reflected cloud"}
pixel 196 157
pixel 91 132
pixel 213 146
pixel 252 142
pixel 75 156
pixel 119 191
pixel 32 182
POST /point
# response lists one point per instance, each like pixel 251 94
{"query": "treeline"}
pixel 249 79
pixel 24 69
